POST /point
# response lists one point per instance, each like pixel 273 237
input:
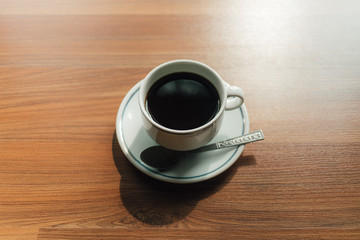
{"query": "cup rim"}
pixel 142 96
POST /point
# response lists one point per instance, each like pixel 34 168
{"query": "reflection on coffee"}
pixel 182 101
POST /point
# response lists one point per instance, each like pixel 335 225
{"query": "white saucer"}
pixel 133 139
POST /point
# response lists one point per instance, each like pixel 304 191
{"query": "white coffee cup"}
pixel 230 97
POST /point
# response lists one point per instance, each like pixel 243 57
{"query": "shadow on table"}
pixel 159 203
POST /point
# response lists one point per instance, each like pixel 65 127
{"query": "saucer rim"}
pixel 154 173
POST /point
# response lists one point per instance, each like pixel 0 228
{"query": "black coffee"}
pixel 182 101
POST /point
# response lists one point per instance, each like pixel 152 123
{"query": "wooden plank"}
pixel 179 234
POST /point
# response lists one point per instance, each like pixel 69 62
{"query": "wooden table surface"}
pixel 66 65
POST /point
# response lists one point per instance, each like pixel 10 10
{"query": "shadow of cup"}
pixel 159 203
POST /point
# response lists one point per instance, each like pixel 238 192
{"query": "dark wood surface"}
pixel 65 67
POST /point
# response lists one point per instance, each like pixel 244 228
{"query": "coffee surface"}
pixel 182 101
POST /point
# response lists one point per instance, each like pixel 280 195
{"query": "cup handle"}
pixel 235 97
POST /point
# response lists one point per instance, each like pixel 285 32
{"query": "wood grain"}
pixel 65 67
pixel 112 234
